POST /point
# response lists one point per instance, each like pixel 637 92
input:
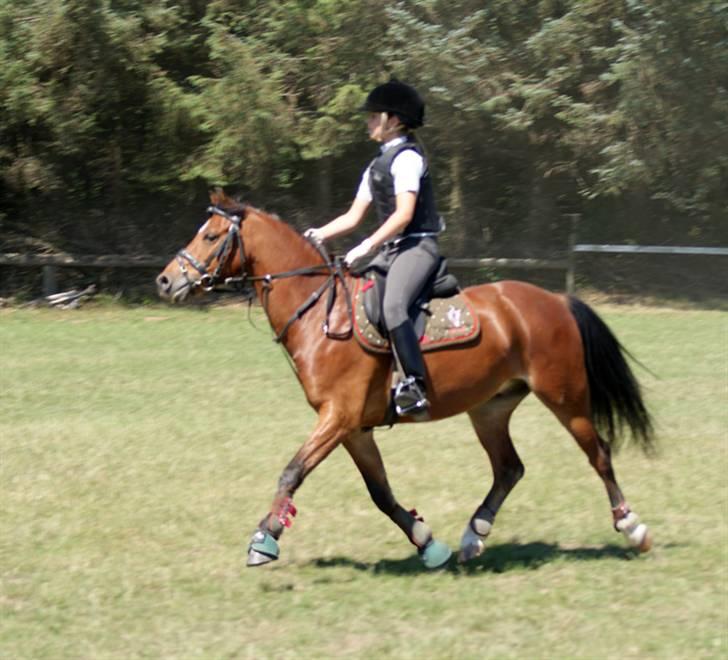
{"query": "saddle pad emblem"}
pixel 450 321
pixel 453 315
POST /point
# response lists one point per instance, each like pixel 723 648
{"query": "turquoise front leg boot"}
pixel 263 549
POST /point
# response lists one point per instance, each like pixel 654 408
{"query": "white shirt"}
pixel 407 169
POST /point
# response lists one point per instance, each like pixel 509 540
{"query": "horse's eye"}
pixel 210 237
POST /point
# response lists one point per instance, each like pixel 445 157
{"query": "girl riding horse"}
pixel 399 185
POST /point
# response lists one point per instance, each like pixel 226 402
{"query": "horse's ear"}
pixel 233 204
pixel 217 196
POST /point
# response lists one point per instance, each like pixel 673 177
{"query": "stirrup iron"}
pixel 409 398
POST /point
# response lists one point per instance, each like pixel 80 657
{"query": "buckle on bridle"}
pixel 206 282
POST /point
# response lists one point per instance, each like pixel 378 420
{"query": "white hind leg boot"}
pixel 636 532
pixel 472 543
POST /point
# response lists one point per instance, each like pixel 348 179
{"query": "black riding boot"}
pixel 410 394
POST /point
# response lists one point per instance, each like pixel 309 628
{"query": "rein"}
pixel 223 252
pixel 336 274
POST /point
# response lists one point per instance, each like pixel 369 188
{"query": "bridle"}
pixel 234 241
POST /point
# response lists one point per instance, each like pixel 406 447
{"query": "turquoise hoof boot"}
pixel 435 554
pixel 263 549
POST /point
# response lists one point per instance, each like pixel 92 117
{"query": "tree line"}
pixel 116 115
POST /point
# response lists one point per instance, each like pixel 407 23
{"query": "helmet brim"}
pixel 410 122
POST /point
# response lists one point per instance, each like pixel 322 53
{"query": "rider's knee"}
pixel 394 314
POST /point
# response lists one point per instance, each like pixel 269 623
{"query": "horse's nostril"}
pixel 163 283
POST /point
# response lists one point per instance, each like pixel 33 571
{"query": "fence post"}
pixel 50 281
pixel 571 257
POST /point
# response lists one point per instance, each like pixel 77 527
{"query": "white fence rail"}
pixel 651 249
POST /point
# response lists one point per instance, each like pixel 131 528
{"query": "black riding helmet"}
pixel 399 99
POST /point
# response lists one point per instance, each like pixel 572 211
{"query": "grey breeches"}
pixel 409 270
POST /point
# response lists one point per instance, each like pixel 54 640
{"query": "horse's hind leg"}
pixel 365 453
pixel 575 417
pixel 490 421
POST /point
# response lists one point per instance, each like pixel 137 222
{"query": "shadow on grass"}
pixel 496 559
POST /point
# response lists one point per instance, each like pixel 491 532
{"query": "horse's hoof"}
pixel 263 549
pixel 473 544
pixel 435 554
pixel 471 551
pixel 646 544
pixel 256 558
pixel 636 532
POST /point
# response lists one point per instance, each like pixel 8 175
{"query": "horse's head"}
pixel 214 254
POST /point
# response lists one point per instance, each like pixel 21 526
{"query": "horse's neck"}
pixel 276 247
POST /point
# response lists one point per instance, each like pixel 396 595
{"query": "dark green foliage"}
pixel 116 114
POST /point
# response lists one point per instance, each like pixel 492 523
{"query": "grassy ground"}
pixel 139 448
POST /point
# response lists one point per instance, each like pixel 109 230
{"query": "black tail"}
pixel 616 396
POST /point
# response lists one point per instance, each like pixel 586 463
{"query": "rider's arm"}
pixel 346 222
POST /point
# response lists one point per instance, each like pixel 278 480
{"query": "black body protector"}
pixel 381 183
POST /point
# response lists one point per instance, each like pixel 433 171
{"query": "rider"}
pixel 398 183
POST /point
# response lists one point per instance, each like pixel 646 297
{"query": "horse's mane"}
pixel 249 208
pixel 236 206
pixel 290 233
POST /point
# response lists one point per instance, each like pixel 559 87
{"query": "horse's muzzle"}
pixel 172 290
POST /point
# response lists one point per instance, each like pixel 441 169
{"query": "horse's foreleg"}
pixel 329 432
pixel 365 453
pixel 490 422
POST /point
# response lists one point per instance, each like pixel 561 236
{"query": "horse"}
pixel 531 341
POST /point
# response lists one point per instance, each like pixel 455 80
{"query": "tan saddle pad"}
pixel 448 322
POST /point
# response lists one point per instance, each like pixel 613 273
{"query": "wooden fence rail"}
pixel 51 263
pixel 84 261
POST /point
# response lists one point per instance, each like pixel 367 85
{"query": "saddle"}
pixel 442 315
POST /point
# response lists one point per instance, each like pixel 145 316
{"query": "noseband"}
pixel 233 240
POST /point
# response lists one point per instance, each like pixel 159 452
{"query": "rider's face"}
pixel 382 126
pixel 374 126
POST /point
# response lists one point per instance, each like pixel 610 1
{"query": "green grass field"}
pixel 139 448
